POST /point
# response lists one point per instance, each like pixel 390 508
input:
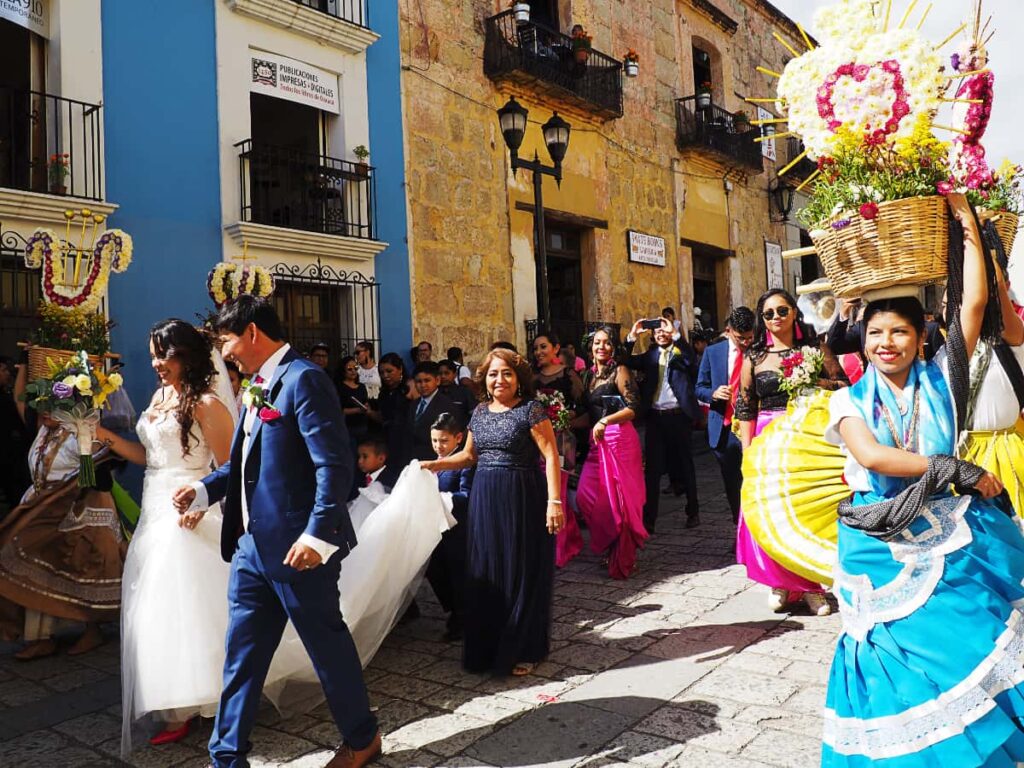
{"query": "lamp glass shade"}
pixel 512 119
pixel 782 196
pixel 556 137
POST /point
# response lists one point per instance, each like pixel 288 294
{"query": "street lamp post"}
pixel 512 119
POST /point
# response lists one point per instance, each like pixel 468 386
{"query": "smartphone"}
pixel 650 325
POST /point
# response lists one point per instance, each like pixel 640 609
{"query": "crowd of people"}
pixel 314 497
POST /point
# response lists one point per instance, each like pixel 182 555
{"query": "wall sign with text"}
pixel 646 249
pixel 773 265
pixel 768 146
pixel 285 78
pixel 33 15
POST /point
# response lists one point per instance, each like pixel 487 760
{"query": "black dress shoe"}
pixel 692 521
pixel 453 629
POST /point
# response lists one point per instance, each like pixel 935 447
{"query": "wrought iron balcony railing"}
pixel 352 11
pixel 285 187
pixel 533 53
pixel 715 128
pixel 50 144
pixel 803 168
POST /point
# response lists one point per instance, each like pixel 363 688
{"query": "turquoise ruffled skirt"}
pixel 929 671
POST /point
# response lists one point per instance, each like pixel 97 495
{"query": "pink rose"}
pixel 268 413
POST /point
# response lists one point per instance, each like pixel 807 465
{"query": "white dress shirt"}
pixel 202 500
pixel 666 398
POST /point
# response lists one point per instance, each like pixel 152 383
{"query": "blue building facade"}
pixel 165 146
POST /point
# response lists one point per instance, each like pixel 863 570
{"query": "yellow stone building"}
pixel 647 155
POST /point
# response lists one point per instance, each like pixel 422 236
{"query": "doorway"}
pixel 565 278
pixel 705 290
pixel 285 167
pixel 23 116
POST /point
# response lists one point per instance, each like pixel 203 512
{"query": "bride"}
pixel 174 608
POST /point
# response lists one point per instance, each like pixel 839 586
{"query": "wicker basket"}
pixel 905 244
pixel 1006 226
pixel 39 357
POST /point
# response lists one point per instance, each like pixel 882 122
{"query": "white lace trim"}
pixel 946 716
pixel 923 556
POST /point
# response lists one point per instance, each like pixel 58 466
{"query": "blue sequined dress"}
pixel 511 555
pixel 929 670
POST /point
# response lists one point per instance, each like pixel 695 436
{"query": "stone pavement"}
pixel 682 665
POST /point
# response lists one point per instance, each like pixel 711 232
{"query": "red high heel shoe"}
pixel 168 736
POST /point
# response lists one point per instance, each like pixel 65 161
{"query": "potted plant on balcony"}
pixel 362 167
pixel 58 168
pixel 632 63
pixel 521 11
pixel 581 44
pixel 704 95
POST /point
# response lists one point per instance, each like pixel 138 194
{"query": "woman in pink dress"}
pixel 611 490
pixel 778 330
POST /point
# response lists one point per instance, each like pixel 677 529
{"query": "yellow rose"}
pixel 116 380
pixel 70 381
pixel 83 383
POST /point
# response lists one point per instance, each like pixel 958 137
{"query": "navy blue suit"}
pixel 668 433
pixel 714 373
pixel 297 475
pixel 447 570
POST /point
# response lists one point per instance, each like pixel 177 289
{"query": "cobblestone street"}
pixel 681 665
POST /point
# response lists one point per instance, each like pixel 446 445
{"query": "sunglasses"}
pixel 769 314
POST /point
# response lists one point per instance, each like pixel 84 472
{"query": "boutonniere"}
pixel 255 396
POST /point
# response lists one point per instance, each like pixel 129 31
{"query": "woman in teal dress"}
pixel 929 670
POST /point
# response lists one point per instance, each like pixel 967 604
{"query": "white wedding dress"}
pixel 174 610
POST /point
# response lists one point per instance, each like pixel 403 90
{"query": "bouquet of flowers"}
pixel 73 394
pixel 801 369
pixel 561 419
pixel 557 409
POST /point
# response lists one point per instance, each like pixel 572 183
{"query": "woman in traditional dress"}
pixel 61 549
pixel 930 584
pixel 512 516
pixel 552 375
pixel 611 491
pixel 778 330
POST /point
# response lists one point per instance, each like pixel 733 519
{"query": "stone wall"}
pixel 471 238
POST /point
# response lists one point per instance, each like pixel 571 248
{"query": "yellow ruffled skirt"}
pixel 792 486
pixel 1001 452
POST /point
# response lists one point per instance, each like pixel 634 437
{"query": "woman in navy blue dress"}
pixel 513 520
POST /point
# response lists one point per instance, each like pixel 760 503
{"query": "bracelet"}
pixel 603 422
pixel 555 501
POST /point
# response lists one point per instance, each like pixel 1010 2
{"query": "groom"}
pixel 286 529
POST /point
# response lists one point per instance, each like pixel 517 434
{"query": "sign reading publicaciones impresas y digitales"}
pixel 285 78
pixel 645 249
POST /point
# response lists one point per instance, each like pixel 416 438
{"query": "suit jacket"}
pixel 682 374
pixel 389 476
pixel 421 446
pixel 457 482
pixel 297 473
pixel 465 401
pixel 714 373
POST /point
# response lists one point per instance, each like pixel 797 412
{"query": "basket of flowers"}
pixel 864 102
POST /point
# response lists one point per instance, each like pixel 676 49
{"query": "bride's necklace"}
pixel 910 437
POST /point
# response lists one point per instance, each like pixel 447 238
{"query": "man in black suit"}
pixel 718 382
pixel 432 403
pixel 669 372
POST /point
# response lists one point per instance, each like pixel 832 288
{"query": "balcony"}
pixel 34 127
pixel 803 168
pixel 351 11
pixel 543 58
pixel 713 128
pixel 284 187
